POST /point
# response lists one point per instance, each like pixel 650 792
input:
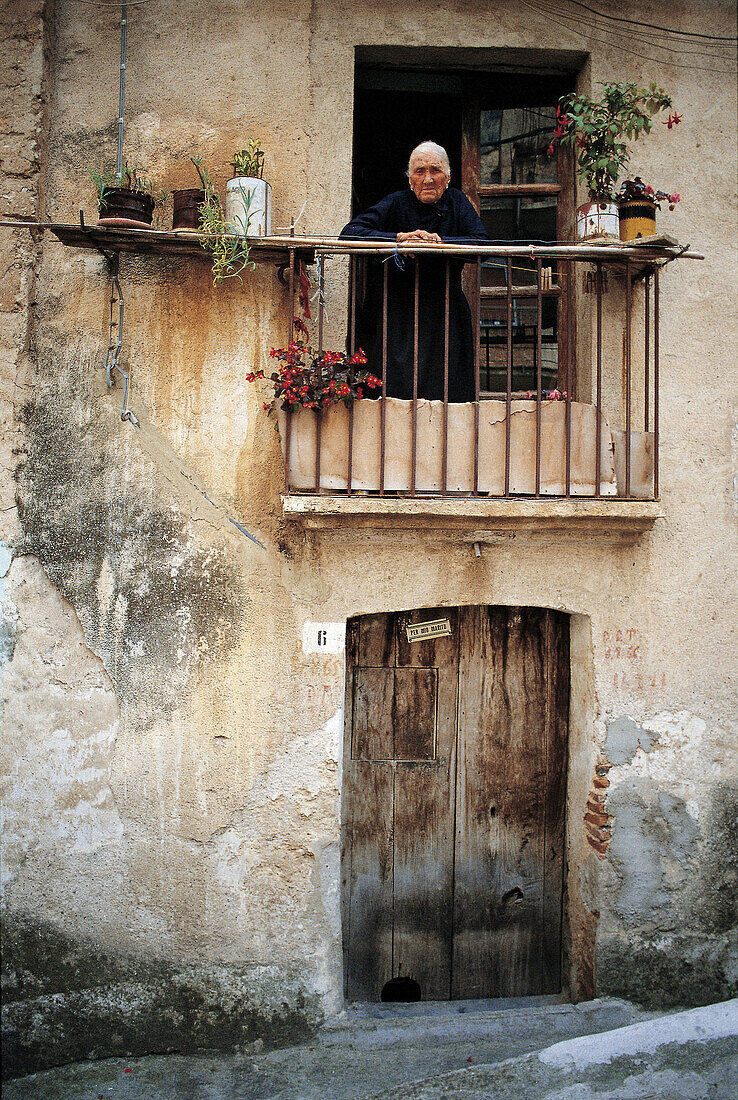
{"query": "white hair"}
pixel 430 147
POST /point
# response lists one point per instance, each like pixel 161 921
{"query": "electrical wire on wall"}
pixel 624 40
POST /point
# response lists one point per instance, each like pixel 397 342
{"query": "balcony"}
pixel 581 320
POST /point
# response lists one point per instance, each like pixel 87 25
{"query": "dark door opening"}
pixel 394 112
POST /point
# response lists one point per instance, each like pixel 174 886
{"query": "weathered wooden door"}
pixel 453 803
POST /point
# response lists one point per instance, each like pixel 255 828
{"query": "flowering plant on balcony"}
pixel 635 190
pixel 599 129
pixel 547 395
pixel 317 379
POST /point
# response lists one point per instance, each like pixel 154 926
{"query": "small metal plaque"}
pixel 422 632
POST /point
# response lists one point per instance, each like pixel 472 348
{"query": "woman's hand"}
pixel 419 235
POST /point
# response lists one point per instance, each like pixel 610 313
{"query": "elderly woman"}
pixel 429 212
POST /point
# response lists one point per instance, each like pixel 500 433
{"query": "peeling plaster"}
pixel 678 753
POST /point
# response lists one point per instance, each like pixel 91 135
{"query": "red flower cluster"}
pixel 254 375
pixel 318 379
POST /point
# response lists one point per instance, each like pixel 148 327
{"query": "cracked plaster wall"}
pixel 190 747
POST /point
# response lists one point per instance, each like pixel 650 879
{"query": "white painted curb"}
pixel 716 1021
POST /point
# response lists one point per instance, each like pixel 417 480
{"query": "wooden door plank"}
pixel 369 793
pixel 498 903
pixel 557 659
pixel 376 640
pixel 423 877
pixel 424 811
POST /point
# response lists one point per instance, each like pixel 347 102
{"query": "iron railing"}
pixel 621 283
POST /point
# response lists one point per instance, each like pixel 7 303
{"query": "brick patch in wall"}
pixel 597 821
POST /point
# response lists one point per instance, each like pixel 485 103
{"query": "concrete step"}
pixel 365 1050
pixel 691 1055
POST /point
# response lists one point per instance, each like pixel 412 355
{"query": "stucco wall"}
pixel 172 752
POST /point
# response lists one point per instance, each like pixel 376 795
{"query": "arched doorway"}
pixel 454 791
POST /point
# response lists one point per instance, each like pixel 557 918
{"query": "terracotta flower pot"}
pixel 186 208
pixel 637 219
pixel 121 207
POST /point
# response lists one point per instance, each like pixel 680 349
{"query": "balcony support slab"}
pixel 476 519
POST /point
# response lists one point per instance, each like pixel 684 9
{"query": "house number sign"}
pixel 434 628
pixel 326 638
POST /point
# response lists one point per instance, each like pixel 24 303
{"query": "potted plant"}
pixel 227 247
pixel 186 202
pixel 311 379
pixel 248 196
pixel 126 200
pixel 637 204
pixel 599 129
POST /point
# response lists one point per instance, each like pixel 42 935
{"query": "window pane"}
pixel 520 219
pixel 493 345
pixel 513 145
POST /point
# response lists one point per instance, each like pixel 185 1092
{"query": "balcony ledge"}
pixel 477 519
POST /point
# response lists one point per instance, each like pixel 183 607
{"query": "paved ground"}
pixel 537 1049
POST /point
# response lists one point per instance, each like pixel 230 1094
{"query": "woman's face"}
pixel 428 177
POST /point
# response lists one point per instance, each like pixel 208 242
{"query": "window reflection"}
pixel 514 143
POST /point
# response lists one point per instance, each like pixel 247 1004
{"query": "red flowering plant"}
pixel 599 128
pixel 318 379
pixel 635 189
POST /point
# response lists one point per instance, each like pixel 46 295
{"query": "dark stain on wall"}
pixel 65 1000
pixel 154 600
pixel 716 896
pixel 671 892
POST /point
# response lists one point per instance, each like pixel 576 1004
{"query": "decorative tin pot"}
pixel 637 219
pixel 122 207
pixel 597 219
pixel 248 206
pixel 186 208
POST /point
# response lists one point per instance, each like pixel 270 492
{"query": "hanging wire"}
pixel 652 26
pixel 652 41
pixel 550 14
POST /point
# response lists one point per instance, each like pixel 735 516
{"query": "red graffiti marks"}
pixel 624 650
pixel 319 685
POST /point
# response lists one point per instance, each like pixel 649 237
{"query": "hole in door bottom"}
pixel 401 989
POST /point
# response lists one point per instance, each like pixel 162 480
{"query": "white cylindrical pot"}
pixel 248 206
pixel 598 219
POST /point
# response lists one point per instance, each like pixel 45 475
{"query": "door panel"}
pixel 369 845
pixel 453 872
pixel 373 735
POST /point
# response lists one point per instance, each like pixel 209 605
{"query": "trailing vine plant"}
pixel 225 241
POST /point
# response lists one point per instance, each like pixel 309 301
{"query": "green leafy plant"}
pixel 600 128
pixel 225 241
pixel 636 190
pixel 131 179
pixel 249 161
